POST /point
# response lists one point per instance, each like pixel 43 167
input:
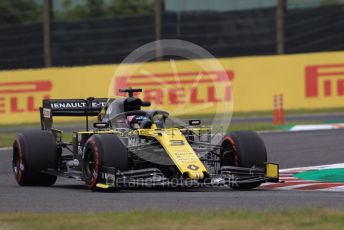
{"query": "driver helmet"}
pixel 139 122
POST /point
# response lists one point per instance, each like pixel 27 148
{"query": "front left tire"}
pixel 34 153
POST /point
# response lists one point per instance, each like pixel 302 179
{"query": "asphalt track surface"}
pixel 290 149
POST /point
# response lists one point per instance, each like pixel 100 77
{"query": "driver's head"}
pixel 139 122
pixel 132 122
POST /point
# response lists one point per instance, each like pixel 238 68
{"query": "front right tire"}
pixel 243 149
pixel 102 150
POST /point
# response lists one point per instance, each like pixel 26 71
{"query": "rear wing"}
pixel 70 107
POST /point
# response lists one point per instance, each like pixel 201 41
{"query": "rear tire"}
pixel 102 150
pixel 34 152
pixel 243 149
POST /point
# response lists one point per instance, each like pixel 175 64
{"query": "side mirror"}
pixel 101 125
pixel 194 122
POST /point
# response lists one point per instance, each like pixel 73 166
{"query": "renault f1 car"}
pixel 128 146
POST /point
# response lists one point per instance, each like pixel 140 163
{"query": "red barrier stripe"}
pixel 320 186
pixel 25 87
pixel 286 184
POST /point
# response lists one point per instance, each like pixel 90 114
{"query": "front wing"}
pixel 150 177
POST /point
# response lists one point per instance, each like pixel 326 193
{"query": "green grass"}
pixel 290 112
pixel 258 126
pixel 6 139
pixel 236 114
pixel 219 219
pixel 266 126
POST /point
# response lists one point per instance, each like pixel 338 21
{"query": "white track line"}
pixel 333 189
pixel 5 148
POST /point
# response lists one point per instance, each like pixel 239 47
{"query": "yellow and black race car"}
pixel 128 146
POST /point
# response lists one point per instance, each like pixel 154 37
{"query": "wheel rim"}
pixel 17 161
pixel 90 164
pixel 229 153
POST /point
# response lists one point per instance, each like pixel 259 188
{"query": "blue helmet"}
pixel 139 122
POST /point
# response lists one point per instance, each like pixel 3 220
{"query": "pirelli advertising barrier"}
pixel 185 87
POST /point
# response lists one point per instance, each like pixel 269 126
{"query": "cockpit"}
pixel 126 113
pixel 133 119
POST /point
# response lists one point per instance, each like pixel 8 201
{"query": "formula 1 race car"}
pixel 128 146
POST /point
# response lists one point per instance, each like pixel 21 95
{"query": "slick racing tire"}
pixel 33 153
pixel 243 149
pixel 102 150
